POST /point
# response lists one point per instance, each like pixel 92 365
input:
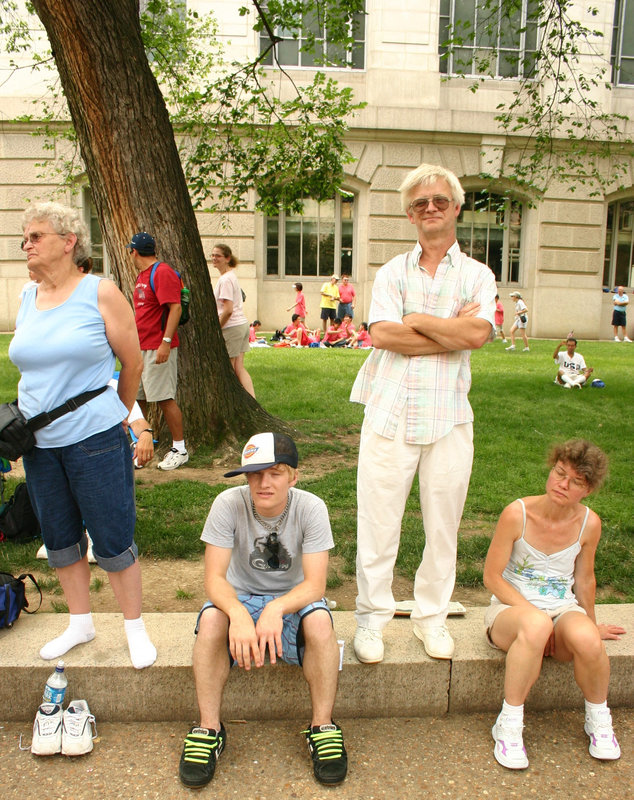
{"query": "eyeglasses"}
pixel 35 237
pixel 439 200
pixel 562 475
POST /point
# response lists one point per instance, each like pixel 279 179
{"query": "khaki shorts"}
pixel 496 608
pixel 158 381
pixel 237 339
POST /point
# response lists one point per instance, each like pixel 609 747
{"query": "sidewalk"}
pixel 401 759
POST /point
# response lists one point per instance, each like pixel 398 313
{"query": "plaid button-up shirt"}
pixel 433 388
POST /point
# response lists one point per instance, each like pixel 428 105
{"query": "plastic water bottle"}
pixel 56 684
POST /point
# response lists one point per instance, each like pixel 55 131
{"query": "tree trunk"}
pixel 137 182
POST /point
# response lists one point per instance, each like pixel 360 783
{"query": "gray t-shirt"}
pixel 262 563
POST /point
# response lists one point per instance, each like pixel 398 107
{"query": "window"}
pixel 623 43
pixel 618 266
pixel 289 52
pixel 489 230
pixel 496 42
pixel 90 218
pixel 315 244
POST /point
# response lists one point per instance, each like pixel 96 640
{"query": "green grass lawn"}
pixel 519 413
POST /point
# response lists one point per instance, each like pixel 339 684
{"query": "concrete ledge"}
pixel 406 684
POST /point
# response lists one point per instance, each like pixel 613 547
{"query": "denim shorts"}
pixel 292 637
pixel 91 484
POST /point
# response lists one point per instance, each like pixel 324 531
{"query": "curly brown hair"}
pixel 584 457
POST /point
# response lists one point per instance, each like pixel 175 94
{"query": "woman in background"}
pixel 234 324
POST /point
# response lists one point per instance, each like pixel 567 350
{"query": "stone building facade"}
pixel 564 251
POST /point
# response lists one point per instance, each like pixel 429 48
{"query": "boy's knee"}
pixel 213 624
pixel 317 628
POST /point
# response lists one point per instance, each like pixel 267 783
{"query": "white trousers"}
pixel 384 479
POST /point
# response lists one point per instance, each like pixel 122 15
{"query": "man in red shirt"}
pixel 157 310
pixel 347 298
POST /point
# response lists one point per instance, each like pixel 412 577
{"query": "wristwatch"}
pixel 167 339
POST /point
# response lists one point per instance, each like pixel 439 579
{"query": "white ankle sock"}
pixel 179 445
pixel 513 711
pixel 80 630
pixel 142 651
pixel 595 708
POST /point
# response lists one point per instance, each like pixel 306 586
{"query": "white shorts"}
pixel 496 608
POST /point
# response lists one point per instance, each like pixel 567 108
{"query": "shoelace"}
pixel 327 744
pixel 74 724
pixel 199 746
pixel 511 732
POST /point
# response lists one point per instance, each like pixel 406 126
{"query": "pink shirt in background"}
pixel 300 305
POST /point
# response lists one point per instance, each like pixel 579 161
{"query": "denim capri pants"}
pixel 292 636
pixel 89 483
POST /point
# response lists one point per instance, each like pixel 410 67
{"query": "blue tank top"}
pixel 60 353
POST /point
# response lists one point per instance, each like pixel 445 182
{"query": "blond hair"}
pixel 426 174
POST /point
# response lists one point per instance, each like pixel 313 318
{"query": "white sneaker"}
pixel 89 552
pixel 47 730
pixel 77 729
pixel 526 349
pixel 626 339
pixel 510 347
pixel 173 459
pixel 603 742
pixel 368 645
pixel 509 748
pixel 616 339
pixel 437 641
pixel 567 386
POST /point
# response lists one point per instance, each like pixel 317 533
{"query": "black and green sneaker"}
pixel 330 760
pixel 201 750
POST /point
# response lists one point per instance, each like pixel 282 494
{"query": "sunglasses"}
pixel 439 200
pixel 36 236
pixel 273 546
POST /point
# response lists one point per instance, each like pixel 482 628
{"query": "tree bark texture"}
pixel 137 183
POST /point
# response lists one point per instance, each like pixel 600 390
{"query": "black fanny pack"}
pixel 17 433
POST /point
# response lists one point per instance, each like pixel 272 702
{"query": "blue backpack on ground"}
pixel 13 597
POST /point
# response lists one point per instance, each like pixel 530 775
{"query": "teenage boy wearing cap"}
pixel 266 562
pixel 157 312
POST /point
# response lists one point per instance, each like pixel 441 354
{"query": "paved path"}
pixel 429 758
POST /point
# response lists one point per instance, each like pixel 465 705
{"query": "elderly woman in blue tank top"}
pixel 540 568
pixel 70 329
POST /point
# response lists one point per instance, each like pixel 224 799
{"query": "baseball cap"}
pixel 515 294
pixel 264 450
pixel 143 243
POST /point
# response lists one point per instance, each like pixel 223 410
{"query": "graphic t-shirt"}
pixel 263 562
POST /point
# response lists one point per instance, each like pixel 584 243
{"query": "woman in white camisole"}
pixel 540 568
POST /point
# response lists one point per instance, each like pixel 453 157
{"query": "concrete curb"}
pixel 406 684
